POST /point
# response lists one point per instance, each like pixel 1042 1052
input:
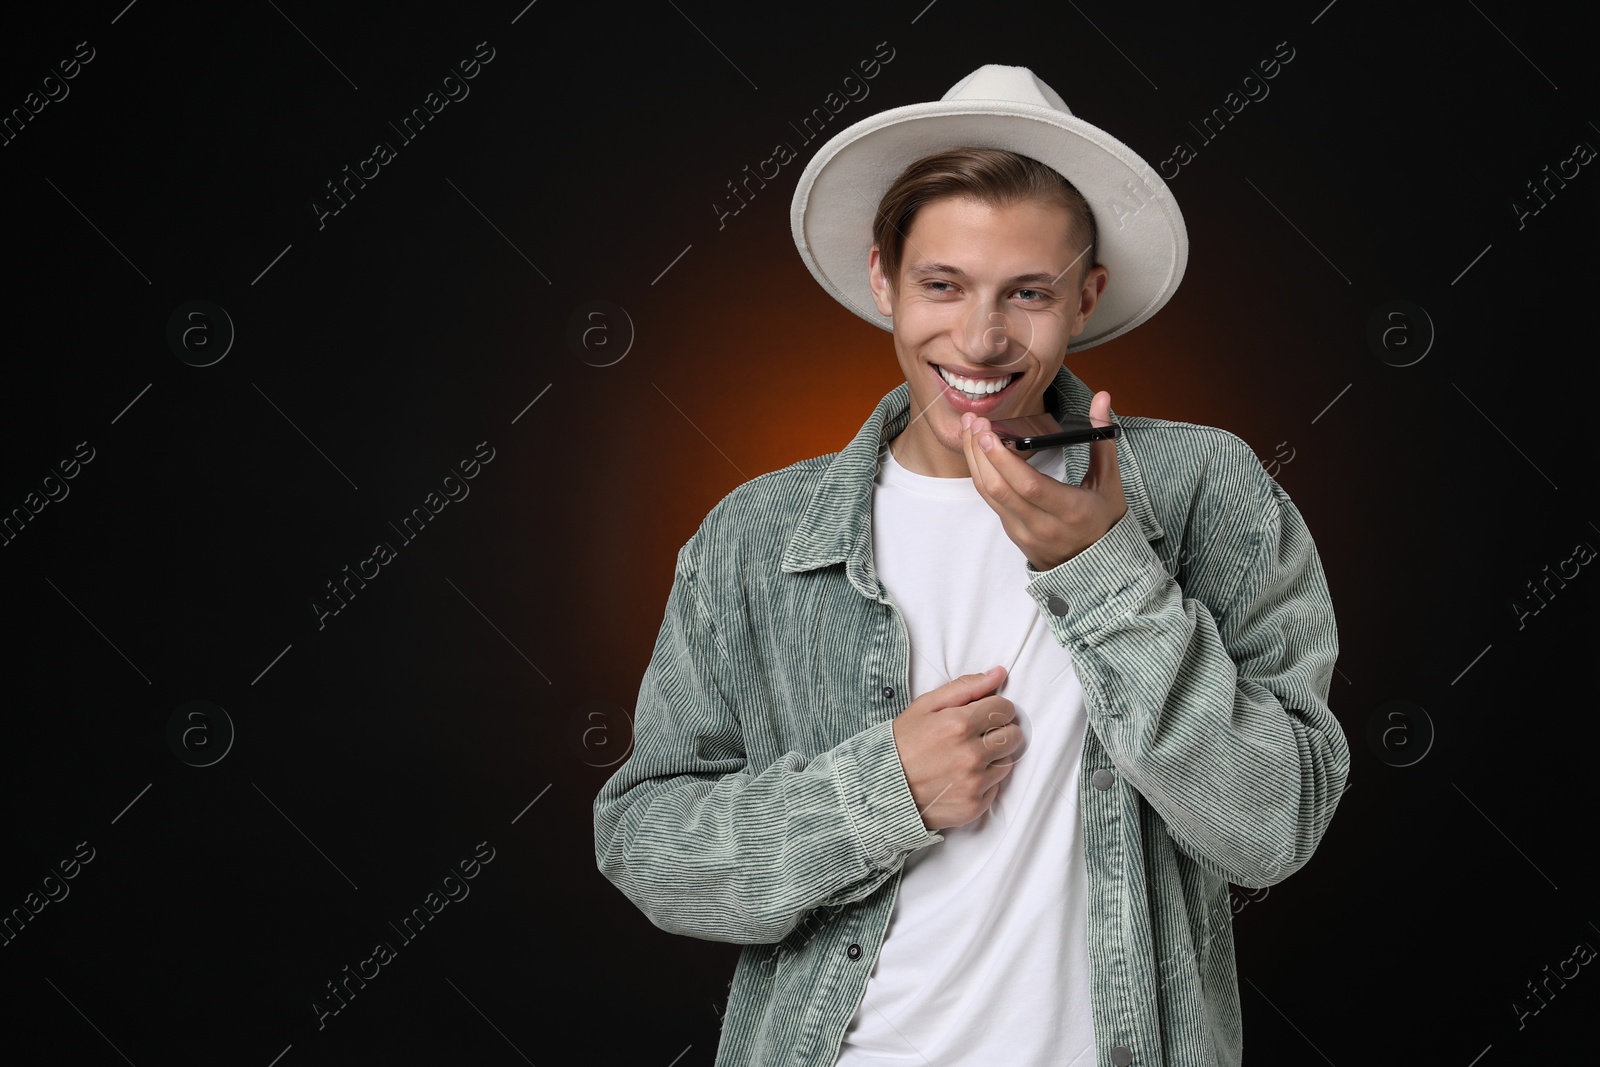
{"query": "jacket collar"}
pixel 836 525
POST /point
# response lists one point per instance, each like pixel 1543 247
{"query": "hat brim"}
pixel 1142 240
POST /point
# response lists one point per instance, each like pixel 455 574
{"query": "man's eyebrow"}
pixel 957 272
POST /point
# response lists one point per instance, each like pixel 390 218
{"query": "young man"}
pixel 965 745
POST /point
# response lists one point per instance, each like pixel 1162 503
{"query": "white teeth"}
pixel 975 388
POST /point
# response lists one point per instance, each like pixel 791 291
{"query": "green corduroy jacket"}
pixel 764 802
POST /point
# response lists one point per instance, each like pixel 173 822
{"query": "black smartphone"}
pixel 1032 432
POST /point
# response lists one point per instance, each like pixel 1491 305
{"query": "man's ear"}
pixel 1094 284
pixel 879 282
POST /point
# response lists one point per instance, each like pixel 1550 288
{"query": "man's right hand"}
pixel 956 746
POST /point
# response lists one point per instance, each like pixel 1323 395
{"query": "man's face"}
pixel 992 294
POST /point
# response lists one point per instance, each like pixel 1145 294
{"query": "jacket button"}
pixel 1056 605
pixel 888 692
pixel 854 952
pixel 1121 1055
pixel 1102 779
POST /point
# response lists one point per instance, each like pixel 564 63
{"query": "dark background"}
pixel 478 689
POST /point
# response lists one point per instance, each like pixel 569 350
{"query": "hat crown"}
pixel 1019 85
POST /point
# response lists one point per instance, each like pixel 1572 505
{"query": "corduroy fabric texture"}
pixel 764 802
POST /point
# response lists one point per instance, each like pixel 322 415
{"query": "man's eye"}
pixel 1032 296
pixel 930 285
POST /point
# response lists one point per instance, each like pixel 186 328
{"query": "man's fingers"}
pixel 978 464
pixel 1102 454
pixel 969 687
pixel 992 473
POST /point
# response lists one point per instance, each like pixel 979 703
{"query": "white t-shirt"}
pixel 986 959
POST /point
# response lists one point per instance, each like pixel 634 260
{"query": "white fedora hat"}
pixel 1142 240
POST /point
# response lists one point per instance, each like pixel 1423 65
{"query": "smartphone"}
pixel 1032 432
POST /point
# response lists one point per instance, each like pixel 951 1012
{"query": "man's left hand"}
pixel 1049 520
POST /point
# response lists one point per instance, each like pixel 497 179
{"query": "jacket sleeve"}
pixel 1218 716
pixel 710 847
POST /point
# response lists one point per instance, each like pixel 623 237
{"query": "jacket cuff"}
pixel 1098 584
pixel 872 785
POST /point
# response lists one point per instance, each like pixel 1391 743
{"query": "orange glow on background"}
pixel 760 370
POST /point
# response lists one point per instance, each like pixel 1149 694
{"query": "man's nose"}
pixel 989 336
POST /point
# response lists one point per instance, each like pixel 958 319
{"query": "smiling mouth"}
pixel 982 394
